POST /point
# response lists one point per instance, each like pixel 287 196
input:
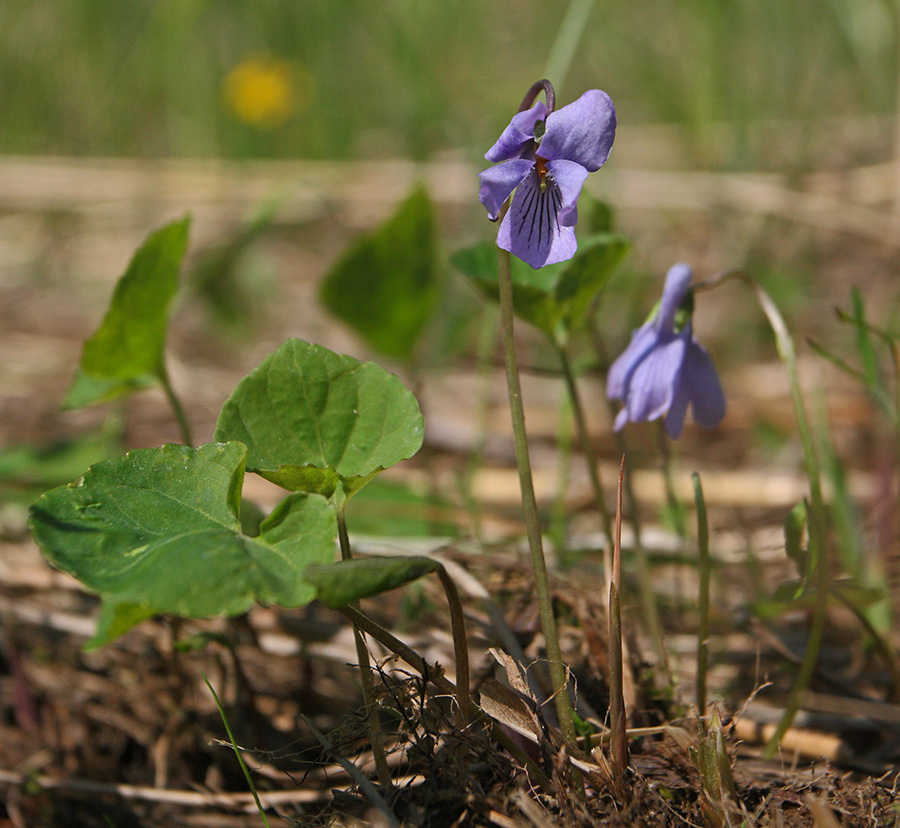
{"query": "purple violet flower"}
pixel 664 368
pixel 547 174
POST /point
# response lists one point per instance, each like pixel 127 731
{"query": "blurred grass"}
pixel 406 78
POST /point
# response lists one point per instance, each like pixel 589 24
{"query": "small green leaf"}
pixel 126 353
pixel 312 419
pixel 158 530
pixel 200 641
pixel 386 284
pixel 794 531
pixel 554 298
pixel 797 595
pixel 788 596
pixel 339 584
pixel 859 595
pixel 116 619
pixel 835 360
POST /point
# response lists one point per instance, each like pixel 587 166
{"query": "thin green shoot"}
pixel 237 752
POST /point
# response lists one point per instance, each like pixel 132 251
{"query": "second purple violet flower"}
pixel 664 369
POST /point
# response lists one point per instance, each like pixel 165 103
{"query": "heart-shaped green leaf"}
pixel 313 419
pixel 126 353
pixel 386 284
pixel 554 298
pixel 159 529
pixel 342 583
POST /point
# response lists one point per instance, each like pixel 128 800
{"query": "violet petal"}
pixel 653 383
pixel 517 135
pixel 531 229
pixel 570 178
pixel 620 372
pixel 678 281
pixel 583 131
pixel 702 383
pixel 498 182
pixel 678 409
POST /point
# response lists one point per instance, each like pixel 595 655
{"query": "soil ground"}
pixel 130 736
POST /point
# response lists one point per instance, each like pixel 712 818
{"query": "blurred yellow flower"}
pixel 264 91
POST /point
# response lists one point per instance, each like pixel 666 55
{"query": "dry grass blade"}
pixel 504 706
pixel 533 812
pixel 822 814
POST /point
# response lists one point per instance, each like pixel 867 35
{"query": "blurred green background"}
pixel 412 78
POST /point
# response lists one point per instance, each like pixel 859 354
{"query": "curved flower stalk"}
pixel 664 369
pixel 547 174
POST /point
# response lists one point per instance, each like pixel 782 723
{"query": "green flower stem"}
pixel 818 530
pixel 376 735
pixel 529 502
pixel 177 408
pixel 676 510
pixel 818 527
pixel 704 565
pixel 589 454
pixel 668 469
